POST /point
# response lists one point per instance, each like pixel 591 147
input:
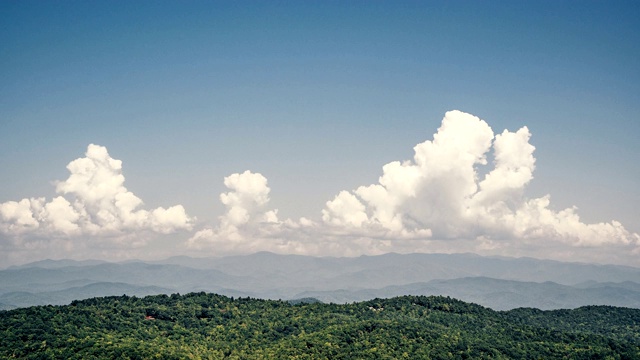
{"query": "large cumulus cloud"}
pixel 440 194
pixel 464 190
pixel 93 202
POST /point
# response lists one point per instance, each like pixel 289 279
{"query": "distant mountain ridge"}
pixel 498 294
pixel 56 264
pixel 497 282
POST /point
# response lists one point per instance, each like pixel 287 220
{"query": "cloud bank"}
pixel 463 191
pixel 464 188
pixel 93 203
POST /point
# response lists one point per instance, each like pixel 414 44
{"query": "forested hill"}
pixel 208 326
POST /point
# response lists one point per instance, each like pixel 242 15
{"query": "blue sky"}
pixel 316 97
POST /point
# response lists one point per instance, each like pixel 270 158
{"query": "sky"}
pixel 329 128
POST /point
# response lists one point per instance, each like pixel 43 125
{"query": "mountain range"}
pixel 501 283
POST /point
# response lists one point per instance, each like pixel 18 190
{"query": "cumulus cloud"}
pixel 441 195
pixel 448 198
pixel 246 213
pixel 18 217
pixel 250 225
pixel 93 201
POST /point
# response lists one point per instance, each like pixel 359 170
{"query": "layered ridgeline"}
pixel 496 282
pixel 201 325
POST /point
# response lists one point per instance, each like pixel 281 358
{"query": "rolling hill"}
pixel 496 282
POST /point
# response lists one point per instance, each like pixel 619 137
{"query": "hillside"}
pixel 201 325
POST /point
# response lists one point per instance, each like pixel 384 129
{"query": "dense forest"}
pixel 209 326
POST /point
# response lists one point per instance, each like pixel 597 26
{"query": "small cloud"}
pixel 246 213
pixel 18 217
pixel 345 210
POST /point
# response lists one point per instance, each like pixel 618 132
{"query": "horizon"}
pixel 320 128
pixel 133 260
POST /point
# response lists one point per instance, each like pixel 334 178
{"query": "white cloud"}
pixel 93 201
pixel 246 213
pixel 438 201
pixel 18 217
pixel 447 198
pixel 440 193
pixel 345 210
pixel 61 216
